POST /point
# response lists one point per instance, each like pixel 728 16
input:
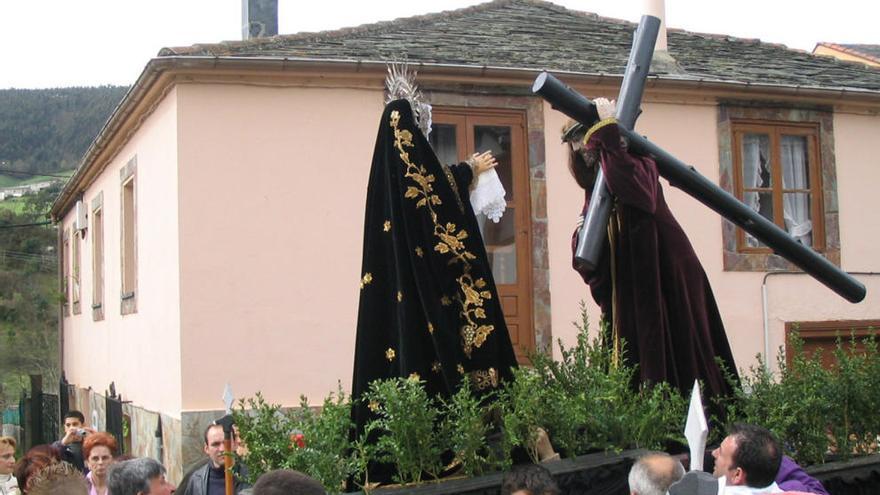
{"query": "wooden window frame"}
pixel 819 117
pixel 65 271
pixel 775 131
pixel 76 271
pixel 824 334
pixel 128 256
pixel 98 253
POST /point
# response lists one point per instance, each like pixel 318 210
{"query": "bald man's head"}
pixel 653 473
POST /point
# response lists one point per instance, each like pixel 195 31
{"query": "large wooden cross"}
pixel 679 174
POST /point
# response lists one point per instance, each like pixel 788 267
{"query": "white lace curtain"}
pixel 795 175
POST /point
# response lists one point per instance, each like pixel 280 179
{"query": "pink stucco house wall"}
pixel 242 169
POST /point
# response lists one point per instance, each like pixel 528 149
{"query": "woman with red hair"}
pixel 99 449
pixel 35 460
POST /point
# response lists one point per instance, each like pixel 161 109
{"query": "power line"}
pixel 37 224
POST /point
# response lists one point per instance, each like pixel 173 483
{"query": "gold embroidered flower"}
pixel 419 252
pixel 374 406
pixel 435 367
pixel 386 226
pixel 460 368
pixel 445 301
pixel 399 296
pixel 390 354
pixel 430 328
pixel 366 279
pixel 414 377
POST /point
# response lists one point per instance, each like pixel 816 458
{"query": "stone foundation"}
pixel 140 438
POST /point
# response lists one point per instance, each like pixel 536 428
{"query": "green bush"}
pixel 594 405
pixel 854 423
pixel 266 430
pixel 406 419
pixel 812 410
pixel 586 402
pixel 465 428
pixel 326 453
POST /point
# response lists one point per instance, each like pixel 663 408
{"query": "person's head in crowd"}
pixel 214 445
pixel 654 473
pixel 750 455
pixel 528 479
pixel 74 419
pixel 141 476
pixel 99 450
pixel 287 482
pixel 7 455
pixel 75 429
pixel 60 478
pixel 35 460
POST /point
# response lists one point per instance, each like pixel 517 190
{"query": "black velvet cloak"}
pixel 428 303
pixel 650 283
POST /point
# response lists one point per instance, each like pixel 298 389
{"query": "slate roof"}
pixel 535 34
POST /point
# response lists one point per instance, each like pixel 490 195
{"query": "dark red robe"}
pixel 666 311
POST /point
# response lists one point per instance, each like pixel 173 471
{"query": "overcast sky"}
pixel 58 43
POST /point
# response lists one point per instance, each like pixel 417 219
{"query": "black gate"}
pixel 39 413
pixel 113 405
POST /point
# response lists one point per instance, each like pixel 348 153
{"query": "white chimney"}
pixel 657 8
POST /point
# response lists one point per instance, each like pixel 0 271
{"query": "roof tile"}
pixel 535 34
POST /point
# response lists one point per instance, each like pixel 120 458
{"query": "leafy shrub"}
pixel 465 429
pixel 322 450
pixel 812 410
pixel 265 429
pixel 405 422
pixel 586 400
pixel 854 423
pixel 325 454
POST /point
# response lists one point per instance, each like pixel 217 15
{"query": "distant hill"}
pixel 48 130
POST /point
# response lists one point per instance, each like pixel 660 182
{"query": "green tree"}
pixel 29 296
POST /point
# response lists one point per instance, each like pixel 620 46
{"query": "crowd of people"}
pixel 749 461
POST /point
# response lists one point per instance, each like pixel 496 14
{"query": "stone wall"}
pixel 140 438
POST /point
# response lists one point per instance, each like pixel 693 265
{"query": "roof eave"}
pixel 158 66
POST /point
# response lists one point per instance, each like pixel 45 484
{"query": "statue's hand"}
pixel 482 162
pixel 605 108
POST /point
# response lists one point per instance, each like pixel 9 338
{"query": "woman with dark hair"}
pixel 649 283
pixel 98 450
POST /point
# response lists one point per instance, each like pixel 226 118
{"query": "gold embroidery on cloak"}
pixel 473 333
pixel 484 379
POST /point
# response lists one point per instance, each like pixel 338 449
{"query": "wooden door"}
pixel 456 134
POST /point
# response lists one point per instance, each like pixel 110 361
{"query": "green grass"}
pixel 15 205
pixel 16 180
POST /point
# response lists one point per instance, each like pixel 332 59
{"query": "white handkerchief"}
pixel 487 197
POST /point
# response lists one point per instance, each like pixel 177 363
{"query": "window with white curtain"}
pixel 778 176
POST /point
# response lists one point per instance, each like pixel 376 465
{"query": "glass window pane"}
pixel 756 161
pixel 761 202
pixel 798 217
pixel 442 139
pixel 795 169
pixel 500 239
pixel 497 140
